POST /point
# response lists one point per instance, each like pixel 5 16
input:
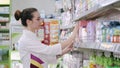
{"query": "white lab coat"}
pixel 29 44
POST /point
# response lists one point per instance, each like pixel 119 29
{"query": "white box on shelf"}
pixel 15 55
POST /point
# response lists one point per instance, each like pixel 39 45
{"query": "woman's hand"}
pixel 75 30
pixel 70 40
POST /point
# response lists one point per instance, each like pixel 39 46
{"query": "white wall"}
pixel 47 5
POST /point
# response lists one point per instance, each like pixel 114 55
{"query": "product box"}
pixel 51 31
pixel 46 32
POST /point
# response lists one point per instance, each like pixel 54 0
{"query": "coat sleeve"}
pixel 38 47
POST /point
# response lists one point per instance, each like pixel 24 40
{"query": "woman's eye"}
pixel 38 19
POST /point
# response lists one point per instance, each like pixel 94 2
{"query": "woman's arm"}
pixel 66 50
pixel 70 40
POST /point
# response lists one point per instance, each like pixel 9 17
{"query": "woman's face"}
pixel 36 21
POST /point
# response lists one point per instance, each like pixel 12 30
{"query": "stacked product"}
pixel 51 31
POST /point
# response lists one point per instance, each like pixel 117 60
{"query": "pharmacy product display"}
pixel 4 34
pixel 98 37
pixel 98 27
pixel 64 13
pixel 70 60
pixel 99 31
pixel 90 9
pixel 104 60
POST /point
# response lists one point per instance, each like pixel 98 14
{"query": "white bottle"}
pixel 84 34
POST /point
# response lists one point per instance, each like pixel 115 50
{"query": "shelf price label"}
pixel 108 46
pixel 103 46
pixel 111 47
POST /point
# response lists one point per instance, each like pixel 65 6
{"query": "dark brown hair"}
pixel 24 15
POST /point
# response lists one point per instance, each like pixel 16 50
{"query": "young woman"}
pixel 33 53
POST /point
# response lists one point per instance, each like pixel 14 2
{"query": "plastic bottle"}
pixel 93 61
pixel 102 59
pixel 104 34
pixel 111 59
pixel 91 31
pixel 108 35
pixel 84 34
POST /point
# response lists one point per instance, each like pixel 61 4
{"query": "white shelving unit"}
pixel 4 33
pixel 109 47
pixel 98 10
pixel 88 49
pixel 93 13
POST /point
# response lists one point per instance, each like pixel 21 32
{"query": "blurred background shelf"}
pixel 98 11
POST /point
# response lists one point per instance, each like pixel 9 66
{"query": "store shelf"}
pixel 4 33
pixel 4 4
pixel 4 30
pixel 89 45
pixel 67 27
pixel 3 13
pixel 109 47
pixel 98 11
